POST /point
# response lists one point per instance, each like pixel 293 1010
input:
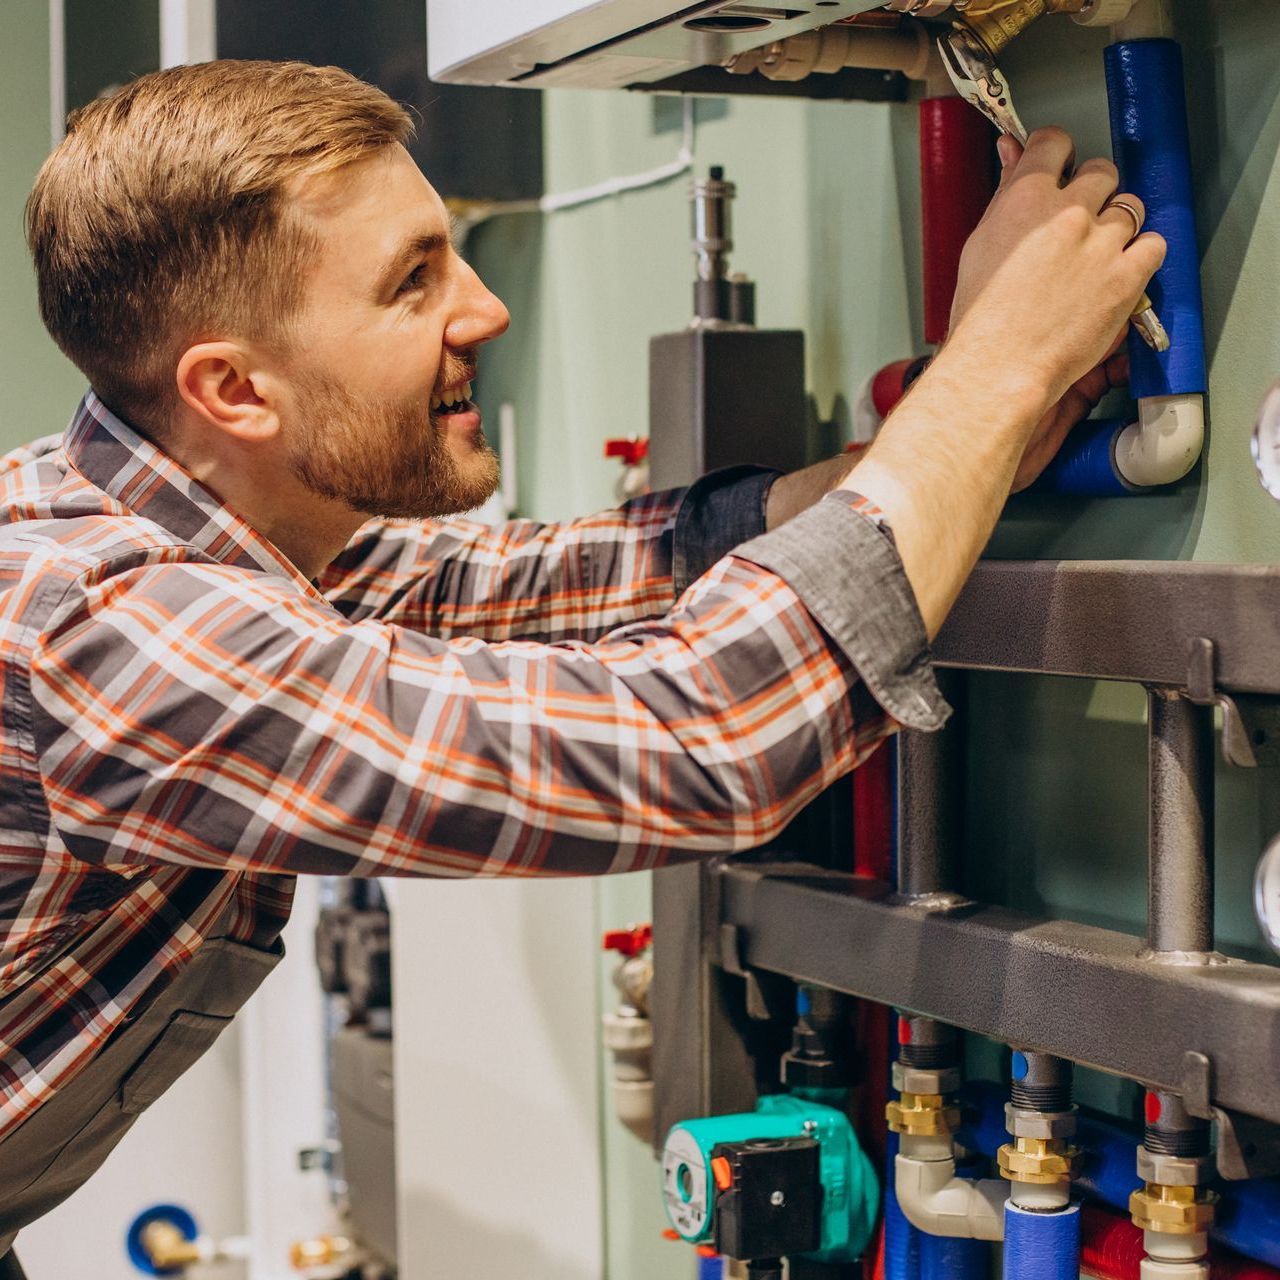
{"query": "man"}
pixel 240 644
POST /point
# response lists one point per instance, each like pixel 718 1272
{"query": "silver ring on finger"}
pixel 1131 211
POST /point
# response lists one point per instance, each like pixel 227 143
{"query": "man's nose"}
pixel 479 316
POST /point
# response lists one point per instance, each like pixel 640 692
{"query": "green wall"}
pixel 40 387
pixel 827 222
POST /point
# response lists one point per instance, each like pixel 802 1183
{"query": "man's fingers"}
pixel 1010 151
pixel 1147 253
pixel 1095 182
pixel 1050 152
pixel 1125 214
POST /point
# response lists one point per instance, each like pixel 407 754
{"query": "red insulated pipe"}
pixel 1111 1248
pixel 957 179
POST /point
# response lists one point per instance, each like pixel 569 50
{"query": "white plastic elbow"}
pixel 1149 20
pixel 1165 443
pixel 934 1200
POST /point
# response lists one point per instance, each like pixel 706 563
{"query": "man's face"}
pixel 380 415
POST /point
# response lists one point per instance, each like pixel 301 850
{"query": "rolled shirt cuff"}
pixel 846 570
pixel 719 512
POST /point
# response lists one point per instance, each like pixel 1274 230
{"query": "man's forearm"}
pixel 789 495
pixel 941 469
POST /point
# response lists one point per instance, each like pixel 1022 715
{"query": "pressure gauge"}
pixel 1266 894
pixel 1266 442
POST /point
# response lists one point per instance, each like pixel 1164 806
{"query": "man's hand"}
pixel 1080 400
pixel 1051 274
pixel 1047 281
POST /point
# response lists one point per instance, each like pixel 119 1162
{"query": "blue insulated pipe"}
pixel 1248 1217
pixel 1041 1246
pixel 901 1239
pixel 1147 98
pixel 1086 465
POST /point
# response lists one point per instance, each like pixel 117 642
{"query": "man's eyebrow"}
pixel 414 248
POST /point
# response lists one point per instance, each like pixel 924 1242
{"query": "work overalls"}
pixel 50 1155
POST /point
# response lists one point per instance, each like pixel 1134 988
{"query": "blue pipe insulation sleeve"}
pixel 901 1239
pixel 1041 1246
pixel 1147 99
pixel 1248 1217
pixel 942 1258
pixel 1086 465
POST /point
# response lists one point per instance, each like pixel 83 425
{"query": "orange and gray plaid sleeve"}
pixel 196 714
pixel 523 580
pixel 518 580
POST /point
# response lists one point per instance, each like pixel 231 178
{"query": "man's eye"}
pixel 414 280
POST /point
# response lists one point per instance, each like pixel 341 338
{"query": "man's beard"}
pixel 385 458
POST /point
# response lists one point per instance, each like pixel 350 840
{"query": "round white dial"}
pixel 1266 894
pixel 684 1184
pixel 1266 442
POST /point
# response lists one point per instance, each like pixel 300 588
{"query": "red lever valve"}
pixel 629 942
pixel 633 450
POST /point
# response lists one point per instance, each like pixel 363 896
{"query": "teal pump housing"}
pixel 849 1190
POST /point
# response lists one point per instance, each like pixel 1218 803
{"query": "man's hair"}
pixel 160 219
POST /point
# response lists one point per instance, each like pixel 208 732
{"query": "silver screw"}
pixel 811 1126
pixel 777 1199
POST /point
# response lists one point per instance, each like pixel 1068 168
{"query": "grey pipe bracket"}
pixel 1246 1146
pixel 1250 722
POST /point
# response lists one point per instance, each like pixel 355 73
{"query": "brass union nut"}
pixel 1181 1211
pixel 922 1114
pixel 1039 1161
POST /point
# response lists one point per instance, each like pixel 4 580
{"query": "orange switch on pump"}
pixel 722 1172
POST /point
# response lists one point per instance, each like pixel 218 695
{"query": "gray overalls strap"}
pixel 50 1155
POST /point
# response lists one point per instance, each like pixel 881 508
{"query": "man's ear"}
pixel 225 387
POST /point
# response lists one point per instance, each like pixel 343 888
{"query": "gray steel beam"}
pixel 1068 989
pixel 1118 620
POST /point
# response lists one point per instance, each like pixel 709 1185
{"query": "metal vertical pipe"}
pixel 930 795
pixel 1180 824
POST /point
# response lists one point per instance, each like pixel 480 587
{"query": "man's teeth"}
pixel 458 398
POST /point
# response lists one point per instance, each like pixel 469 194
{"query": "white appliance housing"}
pixel 606 44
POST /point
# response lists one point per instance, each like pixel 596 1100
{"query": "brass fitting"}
pixel 167 1247
pixel 320 1251
pixel 998 23
pixel 1040 1161
pixel 1181 1211
pixel 922 1115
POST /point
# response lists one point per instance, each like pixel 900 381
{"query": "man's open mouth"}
pixel 458 402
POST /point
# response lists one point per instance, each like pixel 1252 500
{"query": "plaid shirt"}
pixel 188 722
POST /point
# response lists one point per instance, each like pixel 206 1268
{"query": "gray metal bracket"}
pixel 1250 722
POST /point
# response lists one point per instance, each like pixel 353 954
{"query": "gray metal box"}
pixel 719 397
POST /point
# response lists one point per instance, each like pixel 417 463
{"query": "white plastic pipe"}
pixel 1148 20
pixel 827 50
pixel 934 1200
pixel 1165 443
pixel 1175 1257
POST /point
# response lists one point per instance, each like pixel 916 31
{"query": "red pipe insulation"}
pixel 1112 1250
pixel 957 180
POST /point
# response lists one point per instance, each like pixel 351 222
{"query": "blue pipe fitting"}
pixel 1146 94
pixel 1085 466
pixel 945 1258
pixel 1041 1246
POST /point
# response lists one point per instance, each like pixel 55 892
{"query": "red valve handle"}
pixel 633 450
pixel 629 942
